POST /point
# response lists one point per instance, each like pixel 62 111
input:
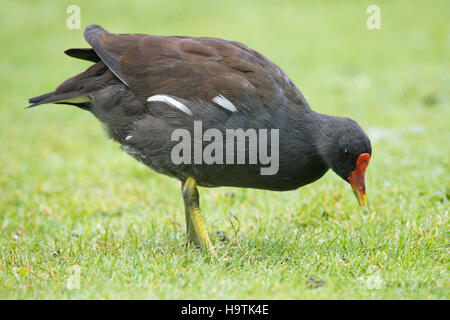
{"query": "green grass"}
pixel 71 200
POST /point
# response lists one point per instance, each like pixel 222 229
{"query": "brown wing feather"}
pixel 190 67
pixel 109 47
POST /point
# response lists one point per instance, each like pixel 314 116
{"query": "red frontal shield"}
pixel 357 180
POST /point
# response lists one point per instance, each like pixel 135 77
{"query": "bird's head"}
pixel 348 154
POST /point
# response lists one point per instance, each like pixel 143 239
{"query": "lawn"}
pixel 81 219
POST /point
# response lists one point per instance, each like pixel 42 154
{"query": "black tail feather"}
pixel 53 97
pixel 41 97
pixel 83 54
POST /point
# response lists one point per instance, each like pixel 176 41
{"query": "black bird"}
pixel 152 91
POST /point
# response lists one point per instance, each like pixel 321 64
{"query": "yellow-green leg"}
pixel 196 231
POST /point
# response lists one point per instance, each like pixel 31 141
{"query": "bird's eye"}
pixel 346 153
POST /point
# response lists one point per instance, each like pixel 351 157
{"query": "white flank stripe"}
pixel 224 102
pixel 170 101
pixel 128 138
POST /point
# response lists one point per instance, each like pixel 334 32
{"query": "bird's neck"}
pixel 324 134
pixel 300 148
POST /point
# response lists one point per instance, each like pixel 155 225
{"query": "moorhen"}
pixel 152 92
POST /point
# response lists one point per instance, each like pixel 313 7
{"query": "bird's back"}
pixel 193 67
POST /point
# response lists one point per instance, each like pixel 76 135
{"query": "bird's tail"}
pixel 76 90
pixel 73 98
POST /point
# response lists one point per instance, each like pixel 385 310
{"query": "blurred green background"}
pixel 81 219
